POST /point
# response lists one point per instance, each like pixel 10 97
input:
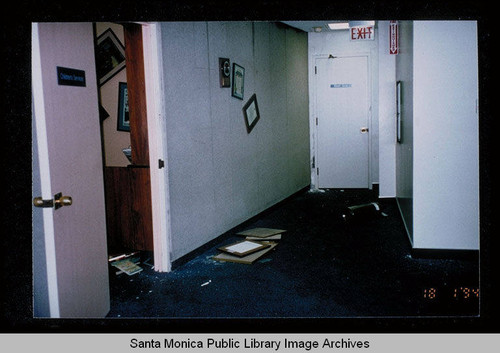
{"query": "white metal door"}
pixel 343 107
pixel 70 158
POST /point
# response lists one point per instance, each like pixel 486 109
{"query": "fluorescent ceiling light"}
pixel 338 25
pixel 361 23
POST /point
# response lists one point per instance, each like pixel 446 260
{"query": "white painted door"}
pixel 343 107
pixel 70 161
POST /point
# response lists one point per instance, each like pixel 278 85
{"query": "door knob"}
pixel 58 201
pixel 364 130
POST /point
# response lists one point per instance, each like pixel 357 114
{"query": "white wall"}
pixel 387 113
pixel 219 174
pixel 446 144
pixel 338 43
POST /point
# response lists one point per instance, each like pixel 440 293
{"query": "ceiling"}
pixel 308 26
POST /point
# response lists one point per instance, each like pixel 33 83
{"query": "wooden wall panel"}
pixel 140 208
pixel 128 208
pixel 136 94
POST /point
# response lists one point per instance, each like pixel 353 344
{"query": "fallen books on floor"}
pixel 129 266
pixel 247 259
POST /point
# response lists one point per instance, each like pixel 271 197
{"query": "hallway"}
pixel 321 268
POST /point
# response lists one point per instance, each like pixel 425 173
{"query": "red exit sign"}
pixel 362 33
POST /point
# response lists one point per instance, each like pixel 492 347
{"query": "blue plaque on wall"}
pixel 70 77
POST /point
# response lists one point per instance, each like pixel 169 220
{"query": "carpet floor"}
pixel 322 268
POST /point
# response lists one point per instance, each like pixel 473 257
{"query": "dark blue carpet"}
pixel 321 268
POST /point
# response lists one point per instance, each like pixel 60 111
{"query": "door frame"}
pixel 313 109
pixel 43 162
pixel 157 139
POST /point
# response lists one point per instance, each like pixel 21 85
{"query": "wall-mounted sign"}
pixel 362 33
pixel 393 37
pixel 70 77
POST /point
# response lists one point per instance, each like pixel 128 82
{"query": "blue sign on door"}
pixel 70 77
pixel 340 85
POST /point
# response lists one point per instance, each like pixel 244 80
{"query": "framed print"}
pixel 224 72
pixel 398 111
pixel 123 115
pixel 238 81
pixel 110 56
pixel 243 248
pixel 251 112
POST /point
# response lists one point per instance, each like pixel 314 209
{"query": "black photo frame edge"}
pixel 109 32
pixel 252 99
pixel 120 119
pixel 233 86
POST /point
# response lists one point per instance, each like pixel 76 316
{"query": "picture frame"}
pixel 123 123
pixel 398 111
pixel 243 248
pixel 238 88
pixel 110 56
pixel 251 112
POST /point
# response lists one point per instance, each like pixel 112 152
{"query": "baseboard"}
pixel 445 254
pixel 200 250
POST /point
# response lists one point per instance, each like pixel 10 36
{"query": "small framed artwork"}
pixel 238 81
pixel 224 72
pixel 243 248
pixel 110 56
pixel 398 111
pixel 123 112
pixel 251 112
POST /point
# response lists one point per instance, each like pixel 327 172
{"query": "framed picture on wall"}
pixel 238 81
pixel 123 112
pixel 251 113
pixel 110 56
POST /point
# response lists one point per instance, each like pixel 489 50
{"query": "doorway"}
pixel 343 120
pixel 126 175
pixel 136 189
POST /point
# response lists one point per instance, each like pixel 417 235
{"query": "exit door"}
pixel 343 108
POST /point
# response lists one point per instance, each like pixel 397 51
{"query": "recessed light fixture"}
pixel 338 25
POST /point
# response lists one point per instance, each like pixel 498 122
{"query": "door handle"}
pixel 58 201
pixel 363 130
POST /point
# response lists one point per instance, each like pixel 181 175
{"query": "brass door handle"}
pixel 58 201
pixel 61 200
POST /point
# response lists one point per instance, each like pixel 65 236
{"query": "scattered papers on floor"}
pixel 128 266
